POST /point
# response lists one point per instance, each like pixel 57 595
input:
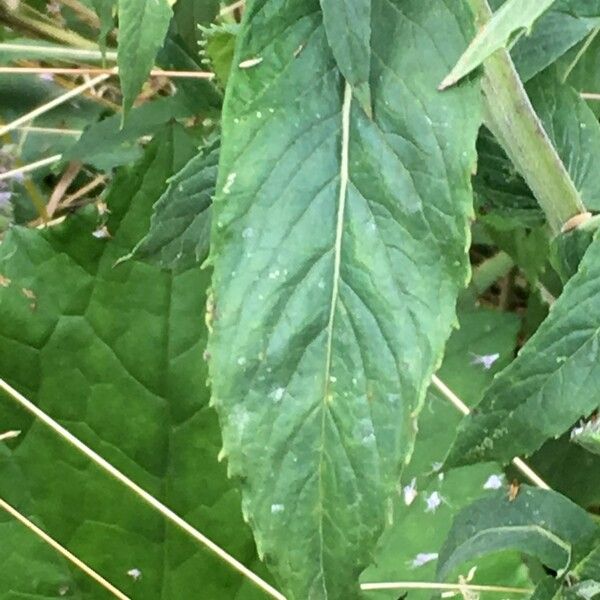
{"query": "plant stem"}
pixel 513 121
pixel 489 271
pixel 46 52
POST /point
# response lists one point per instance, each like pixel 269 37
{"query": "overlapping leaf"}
pixel 561 28
pixel 512 17
pixel 143 26
pixel 339 247
pixel 179 231
pixel 540 523
pixel 115 354
pixel 429 499
pixel 550 385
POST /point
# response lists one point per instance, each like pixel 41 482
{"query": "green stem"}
pixel 489 271
pixel 513 120
pixel 45 52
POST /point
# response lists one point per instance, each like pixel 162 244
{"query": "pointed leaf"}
pixel 540 523
pixel 348 29
pixel 180 225
pixel 550 385
pixel 561 28
pixel 512 17
pixel 339 248
pixel 143 25
pixel 429 500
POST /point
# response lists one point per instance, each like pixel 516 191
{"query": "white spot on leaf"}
pixel 494 482
pixel 277 394
pixel 410 492
pixel 250 62
pixel 423 558
pixel 135 574
pixel 229 183
pixel 433 501
pixel 486 360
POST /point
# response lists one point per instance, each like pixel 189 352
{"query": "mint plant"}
pixel 302 304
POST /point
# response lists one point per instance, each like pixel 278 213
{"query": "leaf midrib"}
pixel 345 143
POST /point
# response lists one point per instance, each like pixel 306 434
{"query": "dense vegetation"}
pixel 316 279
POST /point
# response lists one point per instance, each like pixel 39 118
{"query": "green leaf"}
pixel 348 28
pixel 589 566
pixel 537 522
pixel 548 588
pixel 564 25
pixel 526 404
pixel 143 25
pixel 189 16
pixel 219 47
pixel 569 248
pixel 416 532
pixel 105 144
pixel 104 9
pixel 115 354
pixel 409 548
pixel 504 200
pixel 513 17
pixel 574 131
pixel 570 470
pixel 339 248
pixel 482 334
pixel 30 568
pixel 180 226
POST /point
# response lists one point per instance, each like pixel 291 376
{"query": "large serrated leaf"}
pixel 339 248
pixel 143 26
pixel 115 354
pixel 540 523
pixel 552 383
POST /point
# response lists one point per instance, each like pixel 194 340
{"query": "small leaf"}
pixel 537 522
pixel 348 29
pixel 180 226
pixel 513 16
pixel 550 385
pixel 143 26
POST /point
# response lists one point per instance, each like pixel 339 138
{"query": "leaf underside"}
pixel 338 249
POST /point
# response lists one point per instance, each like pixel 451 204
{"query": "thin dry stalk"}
pixel 79 71
pixel 465 410
pixel 44 108
pixel 62 550
pixel 62 186
pixel 68 437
